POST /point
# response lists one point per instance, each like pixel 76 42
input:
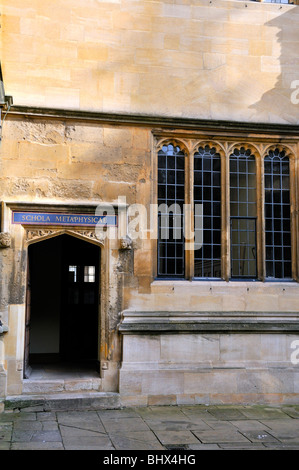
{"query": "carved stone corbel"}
pixel 3 328
pixel 5 240
pixel 126 243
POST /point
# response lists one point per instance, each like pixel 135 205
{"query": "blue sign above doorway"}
pixel 42 218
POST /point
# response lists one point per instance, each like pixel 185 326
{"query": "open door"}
pixel 62 303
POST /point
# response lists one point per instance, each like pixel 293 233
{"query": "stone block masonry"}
pixel 154 58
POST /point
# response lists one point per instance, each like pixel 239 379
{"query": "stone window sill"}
pixel 197 285
pixel 155 322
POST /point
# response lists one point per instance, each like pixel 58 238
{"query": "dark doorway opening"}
pixel 62 308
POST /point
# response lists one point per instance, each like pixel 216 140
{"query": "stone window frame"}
pixel 225 146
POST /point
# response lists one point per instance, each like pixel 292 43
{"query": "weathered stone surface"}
pixel 210 428
pixel 203 447
pixel 114 425
pixel 37 445
pixel 220 436
pixel 5 445
pixel 5 240
pixel 82 421
pixel 41 386
pixel 166 35
pixel 176 424
pixel 142 349
pixel 64 401
pixel 176 437
pixel 87 443
pixel 141 440
pixel 260 436
pixel 27 425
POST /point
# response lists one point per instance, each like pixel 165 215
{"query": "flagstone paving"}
pixel 154 428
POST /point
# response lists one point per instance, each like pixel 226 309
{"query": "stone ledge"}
pixel 207 366
pixel 231 322
pixel 70 206
pixel 154 120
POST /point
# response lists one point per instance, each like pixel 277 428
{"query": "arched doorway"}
pixel 63 300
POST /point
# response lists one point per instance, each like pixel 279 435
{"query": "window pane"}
pixel 243 214
pixel 207 201
pixel 73 273
pixel 171 197
pixel 243 249
pixel 277 211
pixel 89 273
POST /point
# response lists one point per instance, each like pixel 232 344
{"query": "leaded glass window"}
pixel 277 215
pixel 207 192
pixel 171 197
pixel 243 229
pixel 243 214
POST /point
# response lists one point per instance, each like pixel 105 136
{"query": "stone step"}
pixel 63 401
pixel 61 385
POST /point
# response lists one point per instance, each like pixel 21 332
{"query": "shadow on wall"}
pixel 279 104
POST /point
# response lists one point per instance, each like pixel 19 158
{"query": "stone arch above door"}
pixel 34 235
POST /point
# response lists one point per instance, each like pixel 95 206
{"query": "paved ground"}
pixel 154 428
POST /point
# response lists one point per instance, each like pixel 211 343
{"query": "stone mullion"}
pixel 154 202
pixel 189 216
pixel 294 215
pixel 296 189
pixel 225 214
pixel 261 237
pixel 260 242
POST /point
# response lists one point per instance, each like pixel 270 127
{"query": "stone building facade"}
pixel 120 106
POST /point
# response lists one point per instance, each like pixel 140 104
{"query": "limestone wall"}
pixel 58 161
pixel 208 369
pixel 216 296
pixel 55 161
pixel 231 60
pixel 63 161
